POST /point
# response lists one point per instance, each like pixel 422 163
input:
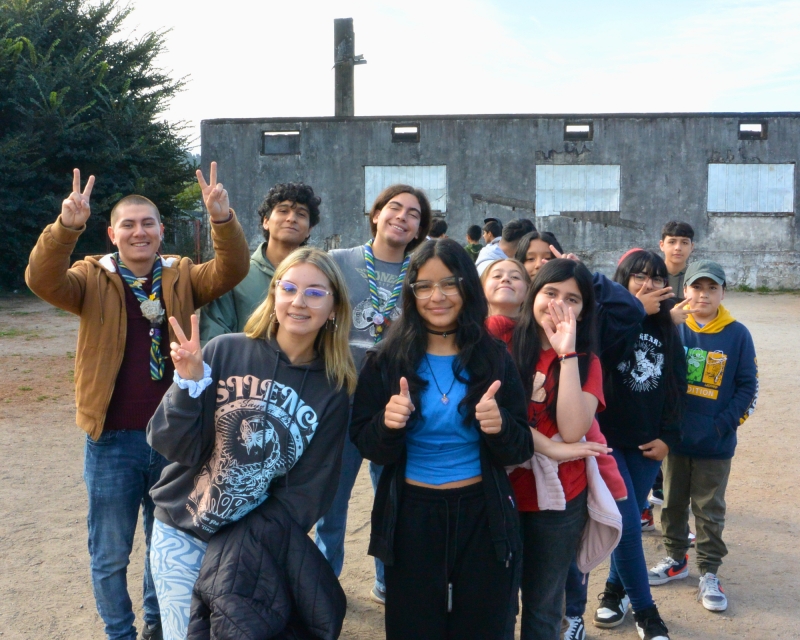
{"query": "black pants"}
pixel 550 540
pixel 443 546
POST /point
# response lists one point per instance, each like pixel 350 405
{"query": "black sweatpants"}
pixel 446 581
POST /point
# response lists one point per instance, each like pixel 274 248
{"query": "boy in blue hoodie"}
pixel 722 391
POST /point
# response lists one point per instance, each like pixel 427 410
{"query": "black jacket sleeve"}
pixel 619 316
pixel 513 444
pixel 670 431
pixel 310 486
pixel 373 439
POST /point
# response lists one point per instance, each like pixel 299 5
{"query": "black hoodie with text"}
pixel 264 428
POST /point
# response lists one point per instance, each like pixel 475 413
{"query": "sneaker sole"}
pixel 654 582
pixel 648 527
pixel 655 500
pixel 610 625
pixel 717 607
pixel 376 598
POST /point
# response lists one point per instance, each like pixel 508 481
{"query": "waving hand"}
pixel 75 209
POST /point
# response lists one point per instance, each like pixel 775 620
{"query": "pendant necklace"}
pixel 444 398
pixel 381 318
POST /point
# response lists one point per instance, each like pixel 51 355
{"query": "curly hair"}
pixel 296 192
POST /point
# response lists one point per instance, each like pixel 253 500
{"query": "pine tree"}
pixel 73 93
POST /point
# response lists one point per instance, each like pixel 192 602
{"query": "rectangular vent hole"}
pixel 405 133
pixel 280 143
pixel 752 130
pixel 578 131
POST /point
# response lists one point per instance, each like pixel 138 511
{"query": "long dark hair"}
pixel 526 345
pixel 525 241
pixel 480 356
pixel 653 265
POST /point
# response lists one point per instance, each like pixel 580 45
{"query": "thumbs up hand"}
pixel 487 412
pixel 399 408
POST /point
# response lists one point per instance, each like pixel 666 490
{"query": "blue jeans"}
pixel 576 591
pixel 176 558
pixel 331 527
pixel 119 470
pixel 549 542
pixel 628 566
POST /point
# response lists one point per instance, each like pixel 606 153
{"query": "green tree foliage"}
pixel 74 93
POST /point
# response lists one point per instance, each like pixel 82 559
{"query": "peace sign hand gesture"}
pixel 75 209
pixel 214 196
pixel 186 354
pixel 560 327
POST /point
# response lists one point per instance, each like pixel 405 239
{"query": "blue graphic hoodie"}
pixel 722 377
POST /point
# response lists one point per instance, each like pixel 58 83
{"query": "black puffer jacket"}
pixel 263 577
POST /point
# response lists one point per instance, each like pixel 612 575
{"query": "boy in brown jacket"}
pixel 122 367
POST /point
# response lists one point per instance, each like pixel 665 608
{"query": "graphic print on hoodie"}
pixel 256 441
pixel 644 372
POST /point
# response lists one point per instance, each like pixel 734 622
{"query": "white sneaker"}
pixel 711 593
pixel 575 629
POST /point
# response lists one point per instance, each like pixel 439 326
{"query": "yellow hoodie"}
pixel 723 319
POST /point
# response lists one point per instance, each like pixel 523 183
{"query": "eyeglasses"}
pixel 314 297
pixel 641 278
pixel 424 288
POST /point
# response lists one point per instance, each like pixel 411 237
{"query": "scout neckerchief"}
pixel 380 318
pixel 151 309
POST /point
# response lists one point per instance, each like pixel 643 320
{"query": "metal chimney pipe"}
pixel 344 57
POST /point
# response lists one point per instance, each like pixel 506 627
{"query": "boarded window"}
pixel 751 188
pixel 592 187
pixel 279 143
pixel 431 179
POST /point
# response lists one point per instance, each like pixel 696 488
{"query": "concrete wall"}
pixel 491 162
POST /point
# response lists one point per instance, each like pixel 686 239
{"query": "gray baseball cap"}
pixel 704 269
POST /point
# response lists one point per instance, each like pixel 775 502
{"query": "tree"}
pixel 73 93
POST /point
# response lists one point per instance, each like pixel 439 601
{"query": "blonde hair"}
pixel 332 345
pixel 525 275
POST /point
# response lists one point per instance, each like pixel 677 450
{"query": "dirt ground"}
pixel 44 583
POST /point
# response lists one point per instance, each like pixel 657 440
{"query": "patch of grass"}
pixel 71 375
pixel 61 312
pixel 744 288
pixel 14 333
pixel 22 313
pixel 25 388
pixel 763 289
pixel 71 355
pixel 40 398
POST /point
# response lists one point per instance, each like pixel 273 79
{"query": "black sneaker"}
pixel 152 632
pixel 649 625
pixel 613 607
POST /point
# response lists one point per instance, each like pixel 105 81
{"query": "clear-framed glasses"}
pixel 448 286
pixel 641 278
pixel 314 297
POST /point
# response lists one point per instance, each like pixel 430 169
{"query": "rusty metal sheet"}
pixel 589 187
pixel 430 178
pixel 751 188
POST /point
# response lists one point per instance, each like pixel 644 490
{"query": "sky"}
pixel 274 59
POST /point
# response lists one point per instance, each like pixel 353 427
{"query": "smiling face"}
pixel 288 223
pixel 439 312
pixel 505 288
pixel 136 233
pixel 676 250
pixel 567 292
pixel 537 254
pixel 295 317
pixel 398 222
pixel 705 295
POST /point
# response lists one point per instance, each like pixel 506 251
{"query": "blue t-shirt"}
pixel 440 447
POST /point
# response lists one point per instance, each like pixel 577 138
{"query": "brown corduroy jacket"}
pixel 92 289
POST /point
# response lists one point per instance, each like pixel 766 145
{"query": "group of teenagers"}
pixel 515 410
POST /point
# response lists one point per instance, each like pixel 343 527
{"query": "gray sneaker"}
pixel 711 594
pixel 378 594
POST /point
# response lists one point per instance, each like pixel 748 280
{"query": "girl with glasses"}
pixel 243 415
pixel 440 404
pixel 645 387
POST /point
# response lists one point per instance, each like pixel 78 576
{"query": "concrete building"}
pixel 601 183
